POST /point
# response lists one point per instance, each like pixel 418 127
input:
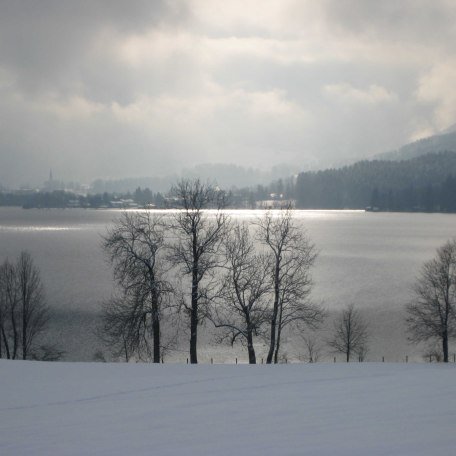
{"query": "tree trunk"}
pixel 277 347
pixel 25 277
pixel 279 334
pixel 250 348
pixel 272 342
pixel 445 346
pixel 156 330
pixel 156 327
pixel 194 317
pixel 193 337
pixel 15 335
pixel 125 347
pixel 24 334
pixel 5 340
pixel 275 310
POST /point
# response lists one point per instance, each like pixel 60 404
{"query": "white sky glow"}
pixel 106 89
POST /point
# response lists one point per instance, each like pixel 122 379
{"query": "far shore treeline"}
pixel 426 184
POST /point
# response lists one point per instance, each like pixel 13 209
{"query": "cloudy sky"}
pixel 141 88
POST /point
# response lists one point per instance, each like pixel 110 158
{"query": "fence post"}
pixel 334 359
pixel 406 358
pixel 236 360
pixel 430 358
pixel 261 360
pixel 212 361
pixel 383 359
pixel 187 360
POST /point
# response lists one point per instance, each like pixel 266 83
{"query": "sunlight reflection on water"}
pixel 39 228
pixel 359 252
pixel 369 259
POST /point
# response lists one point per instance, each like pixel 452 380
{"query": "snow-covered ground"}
pixel 140 409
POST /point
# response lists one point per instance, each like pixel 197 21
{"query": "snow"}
pixel 296 409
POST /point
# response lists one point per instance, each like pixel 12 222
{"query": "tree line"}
pixel 251 281
pixel 66 199
pixel 425 183
pixel 203 266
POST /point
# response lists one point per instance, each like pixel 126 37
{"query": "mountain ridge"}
pixel 443 141
pixel 426 182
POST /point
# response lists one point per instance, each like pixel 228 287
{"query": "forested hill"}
pixel 425 183
pixel 443 141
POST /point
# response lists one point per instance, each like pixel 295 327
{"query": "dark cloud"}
pixel 48 44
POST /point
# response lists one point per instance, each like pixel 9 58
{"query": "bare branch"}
pixel 196 249
pixel 241 304
pixel 351 333
pixel 136 249
pixel 291 256
pixel 431 315
pixel 23 312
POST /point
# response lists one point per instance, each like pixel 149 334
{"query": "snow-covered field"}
pixel 320 409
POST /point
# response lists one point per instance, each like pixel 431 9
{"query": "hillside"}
pixel 426 183
pixel 225 175
pixel 436 143
pixel 313 409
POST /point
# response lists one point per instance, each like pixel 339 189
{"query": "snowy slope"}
pixel 320 409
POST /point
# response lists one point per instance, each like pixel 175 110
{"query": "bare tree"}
pixel 9 311
pixel 197 246
pixel 241 307
pixel 431 315
pixel 47 352
pixel 125 328
pixel 34 313
pixel 313 348
pixel 433 352
pixel 351 333
pixel 135 245
pixel 23 312
pixel 291 256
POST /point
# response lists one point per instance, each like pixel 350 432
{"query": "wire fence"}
pixel 335 359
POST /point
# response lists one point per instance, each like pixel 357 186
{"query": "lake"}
pixel 370 259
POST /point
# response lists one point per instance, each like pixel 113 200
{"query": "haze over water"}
pixel 370 259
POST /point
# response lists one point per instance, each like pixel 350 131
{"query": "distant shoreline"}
pixel 117 209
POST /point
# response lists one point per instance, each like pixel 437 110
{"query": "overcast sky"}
pixel 140 88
